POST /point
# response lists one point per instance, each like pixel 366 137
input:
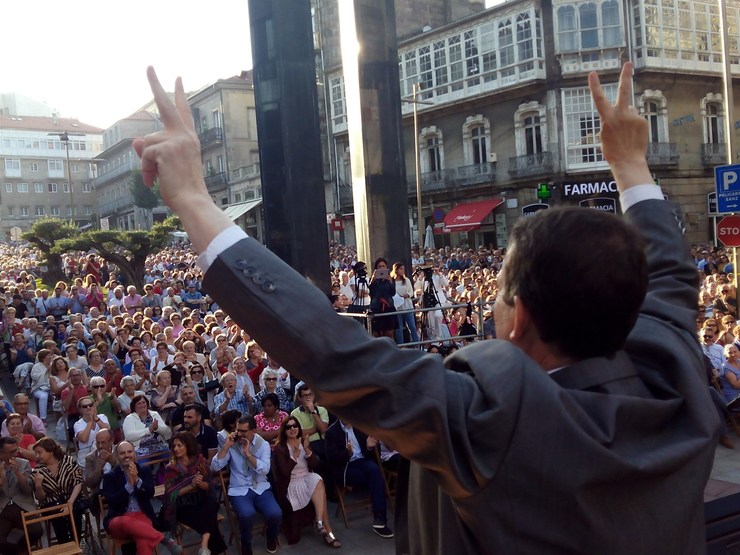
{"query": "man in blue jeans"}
pixel 248 457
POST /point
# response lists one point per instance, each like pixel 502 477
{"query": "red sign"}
pixel 728 231
pixel 337 225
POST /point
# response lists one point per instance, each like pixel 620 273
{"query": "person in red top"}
pixel 112 377
pixel 74 391
pixel 256 362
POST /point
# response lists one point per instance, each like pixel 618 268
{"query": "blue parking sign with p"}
pixel 727 181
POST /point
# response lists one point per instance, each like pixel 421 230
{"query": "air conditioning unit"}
pixel 493 157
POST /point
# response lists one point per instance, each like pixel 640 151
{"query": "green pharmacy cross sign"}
pixel 543 191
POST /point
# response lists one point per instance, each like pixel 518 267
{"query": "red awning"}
pixel 467 217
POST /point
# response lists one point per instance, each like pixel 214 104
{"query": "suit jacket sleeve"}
pixel 456 424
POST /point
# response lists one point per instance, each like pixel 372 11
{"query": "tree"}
pixel 126 249
pixel 144 197
pixel 44 234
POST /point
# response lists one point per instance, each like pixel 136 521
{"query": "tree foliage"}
pixel 143 196
pixel 44 234
pixel 126 249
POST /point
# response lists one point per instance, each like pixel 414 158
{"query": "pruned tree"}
pixel 126 249
pixel 45 233
pixel 144 197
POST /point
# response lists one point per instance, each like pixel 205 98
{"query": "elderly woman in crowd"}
pixel 161 357
pixel 143 379
pixel 269 420
pixel 296 482
pixel 40 386
pixel 58 380
pixel 256 361
pixel 729 377
pixel 145 428
pixel 189 496
pixel 106 404
pixel 57 480
pixel 271 377
pixel 95 366
pixel 87 427
pixel 128 383
pixel 164 396
pixel 14 422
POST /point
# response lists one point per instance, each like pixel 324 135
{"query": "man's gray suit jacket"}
pixel 606 456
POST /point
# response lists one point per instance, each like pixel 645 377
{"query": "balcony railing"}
pixel 662 154
pixel 432 181
pixel 113 173
pixel 216 181
pixel 211 136
pixel 246 172
pixel 475 174
pixel 107 208
pixel 539 163
pixel 713 154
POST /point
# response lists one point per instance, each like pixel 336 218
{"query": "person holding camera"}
pixel 382 290
pixel 248 457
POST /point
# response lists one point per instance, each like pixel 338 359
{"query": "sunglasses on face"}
pixel 98 386
pixel 270 379
pixel 85 406
pixel 291 426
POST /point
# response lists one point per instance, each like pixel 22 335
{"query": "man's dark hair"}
pixel 581 274
pixel 249 421
pixel 193 407
pixel 7 440
pixel 229 419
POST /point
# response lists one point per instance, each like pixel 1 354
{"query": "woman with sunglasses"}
pixel 297 485
pixel 106 402
pixel 204 382
pixel 88 426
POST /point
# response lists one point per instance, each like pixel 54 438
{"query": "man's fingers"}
pixel 181 103
pixel 167 111
pixel 597 94
pixel 624 92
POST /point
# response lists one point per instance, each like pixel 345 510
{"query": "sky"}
pixel 87 59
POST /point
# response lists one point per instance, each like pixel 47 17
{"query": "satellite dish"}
pixel 15 233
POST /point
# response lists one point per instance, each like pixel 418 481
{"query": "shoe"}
pixel 382 530
pixel 331 540
pixel 171 544
pixel 272 545
pixel 204 551
pixel 725 441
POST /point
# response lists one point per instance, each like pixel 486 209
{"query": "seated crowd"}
pixel 122 397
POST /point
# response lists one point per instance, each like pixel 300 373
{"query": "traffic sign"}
pixel 727 182
pixel 728 231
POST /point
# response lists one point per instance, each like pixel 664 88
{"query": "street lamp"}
pixel 417 160
pixel 64 137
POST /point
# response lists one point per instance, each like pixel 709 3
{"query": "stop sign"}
pixel 728 231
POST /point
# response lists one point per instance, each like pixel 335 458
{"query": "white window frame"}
pixel 25 211
pixel 40 211
pixel 34 167
pixel 570 38
pixel 427 133
pixel 54 211
pixel 706 103
pixel 657 122
pixel 22 187
pixel 525 111
pixel 8 187
pixel 38 187
pixel 12 167
pixel 583 154
pixel 87 187
pixel 471 123
pixel 10 211
pixel 52 188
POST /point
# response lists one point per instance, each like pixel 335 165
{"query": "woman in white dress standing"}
pixel 296 481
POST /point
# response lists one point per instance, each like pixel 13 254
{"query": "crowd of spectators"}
pixel 108 374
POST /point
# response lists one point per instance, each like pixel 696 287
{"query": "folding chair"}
pixel 223 481
pixel 47 515
pixel 346 507
pixel 389 477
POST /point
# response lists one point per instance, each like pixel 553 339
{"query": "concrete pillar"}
pixel 370 64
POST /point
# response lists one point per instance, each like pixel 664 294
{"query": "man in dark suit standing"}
pixel 585 428
pixel 128 489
